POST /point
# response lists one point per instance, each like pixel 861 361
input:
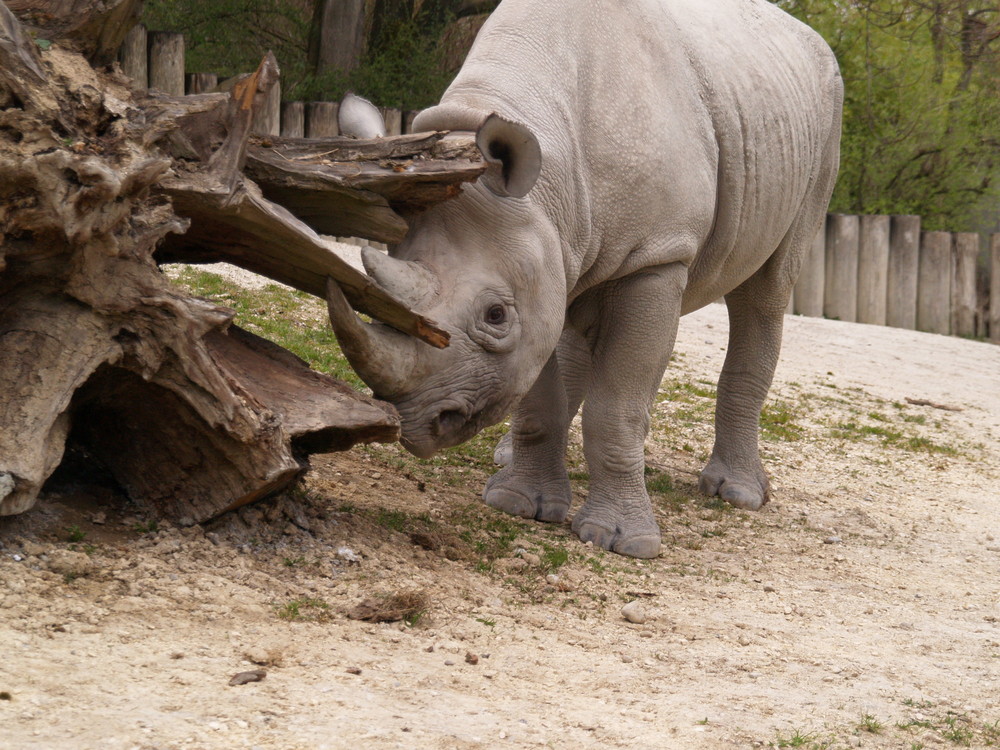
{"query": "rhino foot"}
pixel 611 526
pixel 747 490
pixel 521 495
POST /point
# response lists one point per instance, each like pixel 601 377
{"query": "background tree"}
pixel 921 106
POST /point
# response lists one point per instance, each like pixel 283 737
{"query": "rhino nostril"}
pixel 449 421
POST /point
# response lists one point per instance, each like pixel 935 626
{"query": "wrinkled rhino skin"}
pixel 647 158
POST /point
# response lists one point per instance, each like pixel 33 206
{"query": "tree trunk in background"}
pixel 338 35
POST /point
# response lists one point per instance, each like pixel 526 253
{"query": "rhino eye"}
pixel 496 315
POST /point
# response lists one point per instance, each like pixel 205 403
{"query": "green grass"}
pixel 304 608
pixel 295 320
pixel 777 422
pixel 75 534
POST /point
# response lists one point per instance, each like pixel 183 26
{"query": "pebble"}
pixel 242 678
pixel 471 658
pixel 69 563
pixel 769 588
pixel 832 540
pixel 635 612
pixel 346 553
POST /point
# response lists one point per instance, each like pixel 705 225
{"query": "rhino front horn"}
pixel 383 357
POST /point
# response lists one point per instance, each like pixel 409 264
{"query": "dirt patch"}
pixel 861 608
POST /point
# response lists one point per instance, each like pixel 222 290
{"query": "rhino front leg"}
pixel 534 483
pixel 573 358
pixel 756 317
pixel 635 325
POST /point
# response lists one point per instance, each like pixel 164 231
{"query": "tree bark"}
pixel 191 415
pixel 337 36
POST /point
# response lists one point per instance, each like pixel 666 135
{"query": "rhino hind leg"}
pixel 756 317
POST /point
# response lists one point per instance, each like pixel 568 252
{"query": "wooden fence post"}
pixel 963 284
pixel 134 56
pixel 840 297
pixel 809 287
pixel 873 269
pixel 201 83
pixel 293 119
pixel 408 116
pixel 393 119
pixel 934 283
pixel 166 62
pixel 321 119
pixel 994 331
pixel 901 280
pixel 267 119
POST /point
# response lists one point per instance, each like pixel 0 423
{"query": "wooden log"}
pixel 267 119
pixel 994 304
pixel 134 56
pixel 965 258
pixel 293 120
pixel 934 283
pixel 192 415
pixel 201 83
pixel 353 187
pixel 904 261
pixel 809 287
pixel 840 297
pixel 393 119
pixel 873 269
pixel 166 62
pixel 321 119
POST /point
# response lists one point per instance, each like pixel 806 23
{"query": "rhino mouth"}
pixel 449 427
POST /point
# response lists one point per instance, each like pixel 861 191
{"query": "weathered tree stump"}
pixel 98 185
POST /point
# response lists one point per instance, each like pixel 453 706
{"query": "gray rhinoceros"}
pixel 646 158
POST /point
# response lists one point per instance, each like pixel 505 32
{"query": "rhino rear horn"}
pixel 407 281
pixel 513 155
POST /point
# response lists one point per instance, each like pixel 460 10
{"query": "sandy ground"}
pixel 860 608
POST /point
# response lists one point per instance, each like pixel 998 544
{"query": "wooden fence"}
pixel 881 270
pixel 884 270
pixel 155 59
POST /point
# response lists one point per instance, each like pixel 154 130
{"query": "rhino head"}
pixel 486 266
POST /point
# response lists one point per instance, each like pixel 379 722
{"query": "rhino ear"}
pixel 513 155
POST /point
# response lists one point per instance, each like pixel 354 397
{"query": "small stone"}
pixel 449 663
pixel 346 553
pixel 769 588
pixel 100 518
pixel 33 549
pixel 635 612
pixel 69 563
pixel 242 678
pixel 552 578
pixel 626 659
pixel 743 640
pixel 353 670
pixel 832 540
pixel 471 658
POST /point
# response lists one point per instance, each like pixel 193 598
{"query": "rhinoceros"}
pixel 646 157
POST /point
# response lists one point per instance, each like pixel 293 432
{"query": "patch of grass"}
pixel 294 562
pixel 554 557
pixel 870 724
pixel 75 534
pixel 304 608
pixel 394 520
pixel 294 320
pixel 798 738
pixel 146 527
pixel 890 437
pixel 487 621
pixel 777 422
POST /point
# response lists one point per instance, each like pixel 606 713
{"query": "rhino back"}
pixel 671 130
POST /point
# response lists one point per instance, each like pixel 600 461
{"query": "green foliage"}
pixel 920 91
